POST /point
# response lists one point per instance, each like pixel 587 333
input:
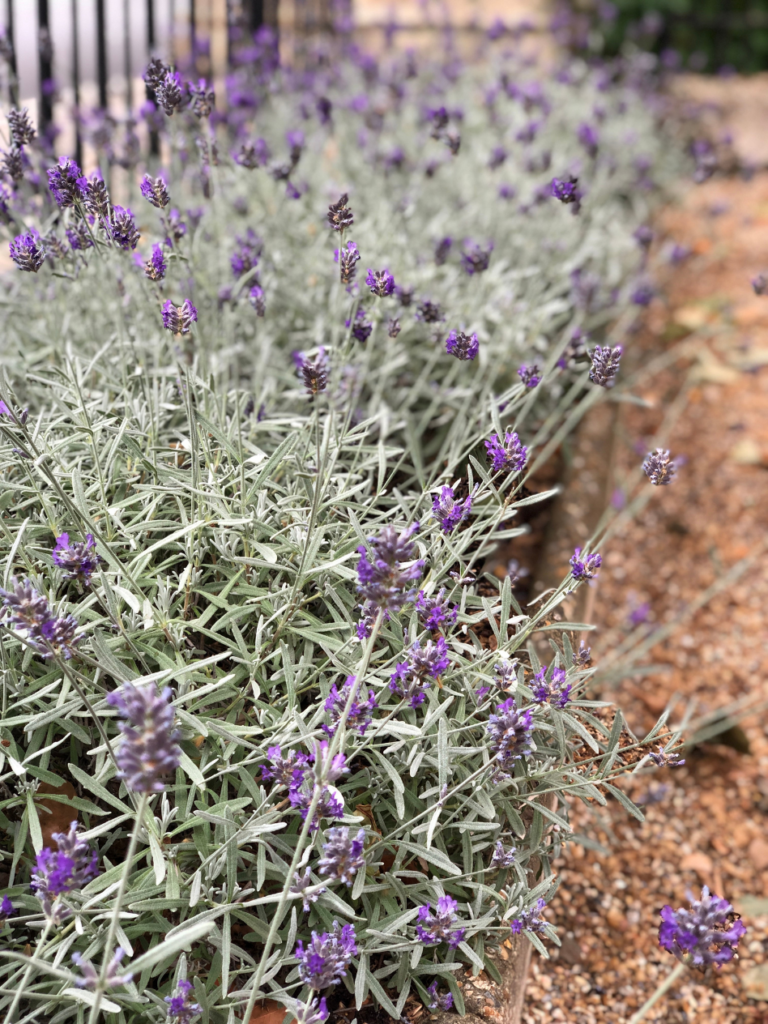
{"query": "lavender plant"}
pixel 265 670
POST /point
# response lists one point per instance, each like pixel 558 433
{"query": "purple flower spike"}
pixel 325 960
pixel 643 294
pixel 435 611
pixel 510 733
pixel 29 610
pixel 585 568
pixel 179 319
pixel 553 690
pixel 78 559
pixel 659 468
pixel 69 867
pixel 348 256
pixel 150 749
pixel 89 979
pixel 475 259
pixel 63 182
pixel 342 855
pixel 411 678
pixel 665 758
pixel 314 373
pixel 155 191
pixel 463 346
pixel 605 365
pixel 381 282
pixel 360 713
pixel 21 128
pixel 428 312
pixel 182 1008
pixel 530 375
pixel 530 920
pixel 393 327
pixel 301 886
pixel 707 934
pixel 27 251
pixel 361 326
pixel 438 1001
pixel 168 91
pixel 202 98
pixel 256 299
pixel 567 191
pixel 507 455
pixel 449 512
pixel 122 228
pixel 384 582
pixel 442 249
pixel 7 909
pixel 433 928
pixel 340 216
pixel 246 255
pixel 502 857
pixel 311 1012
pixel 588 137
pixel 156 266
pixel 285 771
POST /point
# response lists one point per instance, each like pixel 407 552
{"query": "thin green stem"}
pixel 663 988
pixel 27 974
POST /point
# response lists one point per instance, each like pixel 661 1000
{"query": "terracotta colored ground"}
pixel 709 824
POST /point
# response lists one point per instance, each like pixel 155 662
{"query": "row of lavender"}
pixel 314 747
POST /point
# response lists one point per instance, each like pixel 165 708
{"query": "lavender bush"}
pixel 248 494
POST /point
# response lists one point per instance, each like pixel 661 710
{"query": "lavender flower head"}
pixel 760 284
pixel 659 468
pixel 325 960
pixel 442 250
pixel 381 282
pixel 156 266
pixel 70 867
pixel 78 559
pixel 583 655
pixel 666 758
pixel 584 568
pixel 63 182
pixel 182 1009
pixel 411 678
pixel 179 319
pixel 7 909
pixel 340 216
pixel 360 326
pixel 506 674
pixel 552 689
pixel 150 749
pixel 502 857
pixel 448 511
pixel 567 191
pixel 256 299
pixel 155 191
pixel 475 259
pixel 314 373
pixel 643 294
pixel 588 137
pixel 302 884
pixel 348 256
pixel 21 128
pixel 342 855
pixel 384 582
pixel 530 375
pixel 433 928
pixel 428 312
pixel 246 255
pixel 393 327
pixel 89 978
pixel 605 365
pixel 438 1001
pixel 168 91
pixel 27 609
pixel 461 345
pixel 361 710
pixel 530 920
pixel 286 770
pixel 27 251
pixel 122 228
pixel 507 455
pixel 435 611
pixel 510 733
pixel 202 98
pixel 311 1012
pixel 707 934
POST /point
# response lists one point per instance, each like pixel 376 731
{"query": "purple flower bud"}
pixel 324 108
pixel 12 164
pixel 507 192
pixel 295 140
pixel 707 934
pixel 588 137
pixel 429 312
pixel 361 710
pixel 89 978
pixel 182 1008
pixel 78 237
pixel 585 568
pixel 510 733
pixel 507 455
pixel 285 771
pixel 156 266
pixel 506 673
pixel 449 512
pixel 605 365
pixel 246 255
pixel 438 1001
pixel 63 181
pixel 150 749
pixel 502 857
pixel 325 960
pixel 475 259
pixel 760 284
pixel 411 678
pixel 497 158
pixel 21 128
pixel 530 919
pixel 27 251
pixel 179 319
pixel 347 257
pixel 202 98
pixel 78 559
pixel 463 346
pixel 434 611
pixel 551 687
pixel 643 236
pixel 384 582
pixel 530 375
pixel 300 887
pixel 47 633
pixel 442 249
pixel 69 867
pixel 253 154
pixel 584 655
pixel 381 282
pixel 340 216
pixel 433 928
pixel 168 91
pixel 155 191
pixel 342 856
pixel 94 195
pixel 122 228
pixel 256 299
pixel 361 326
pixel 665 759
pixel 567 191
pixel 659 468
pixel 314 373
pixel 404 293
pixel 393 327
pixel 643 294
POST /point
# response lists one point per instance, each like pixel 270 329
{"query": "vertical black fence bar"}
pixel 127 56
pixel 44 52
pixel 76 83
pixel 255 14
pixel 192 35
pixel 13 81
pixel 154 141
pixel 101 53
